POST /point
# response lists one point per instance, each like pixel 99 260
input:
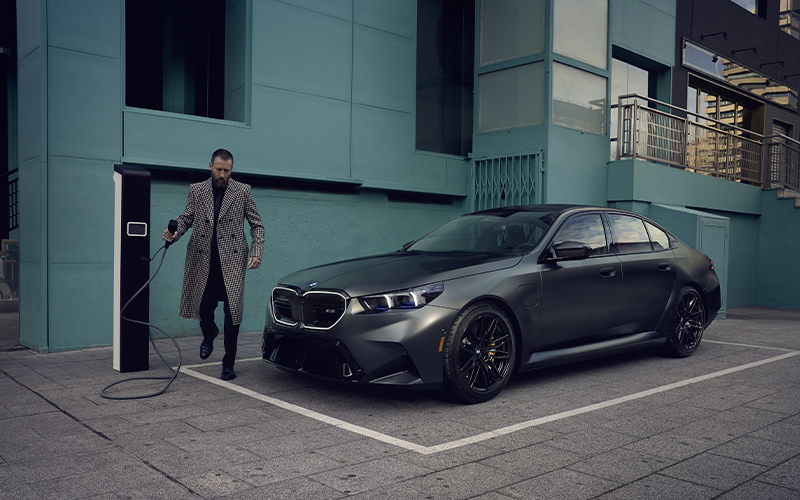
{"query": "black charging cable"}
pixel 173 226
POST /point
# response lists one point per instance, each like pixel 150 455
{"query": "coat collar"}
pixel 230 194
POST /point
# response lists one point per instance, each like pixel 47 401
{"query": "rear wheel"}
pixel 687 324
pixel 479 354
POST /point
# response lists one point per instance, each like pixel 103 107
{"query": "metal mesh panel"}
pixel 13 205
pixel 784 165
pixel 661 137
pixel 508 180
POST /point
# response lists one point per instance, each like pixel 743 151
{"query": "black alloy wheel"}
pixel 688 323
pixel 479 354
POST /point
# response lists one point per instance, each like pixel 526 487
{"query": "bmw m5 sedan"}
pixel 492 293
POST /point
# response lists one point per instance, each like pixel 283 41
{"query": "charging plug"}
pixel 171 227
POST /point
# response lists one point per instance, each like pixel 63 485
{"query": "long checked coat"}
pixel 237 205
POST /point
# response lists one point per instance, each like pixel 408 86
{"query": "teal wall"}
pixel 329 94
pixel 645 27
pixel 70 136
pixel 778 254
pixel 657 183
pixel 323 91
pixel 764 240
pixel 576 167
pixel 303 229
pixel 333 97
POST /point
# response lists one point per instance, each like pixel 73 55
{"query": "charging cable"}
pixel 173 226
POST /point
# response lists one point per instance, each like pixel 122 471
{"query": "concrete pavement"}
pixel 724 423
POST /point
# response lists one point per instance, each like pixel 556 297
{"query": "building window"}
pixel 178 57
pixel 707 103
pixel 580 30
pixel 742 77
pixel 579 99
pixel 511 33
pixel 790 17
pixel 627 79
pixel 511 98
pixel 511 29
pixel 445 81
pixel 748 5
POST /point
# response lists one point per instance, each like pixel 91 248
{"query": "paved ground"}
pixel 724 423
pixel 9 330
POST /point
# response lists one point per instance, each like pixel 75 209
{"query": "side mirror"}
pixel 569 250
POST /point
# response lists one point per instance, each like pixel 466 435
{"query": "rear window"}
pixel 658 237
pixel 630 235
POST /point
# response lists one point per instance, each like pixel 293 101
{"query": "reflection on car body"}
pixel 492 293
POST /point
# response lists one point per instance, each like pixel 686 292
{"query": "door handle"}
pixel 607 272
pixel 664 266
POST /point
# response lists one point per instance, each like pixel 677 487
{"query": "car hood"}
pixel 399 270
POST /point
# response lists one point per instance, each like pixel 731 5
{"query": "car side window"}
pixel 586 229
pixel 630 236
pixel 658 237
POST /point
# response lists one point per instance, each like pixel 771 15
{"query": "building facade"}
pixel 361 124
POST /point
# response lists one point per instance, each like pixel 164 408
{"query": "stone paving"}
pixel 724 423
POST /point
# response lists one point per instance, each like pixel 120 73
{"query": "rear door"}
pixel 648 271
pixel 581 298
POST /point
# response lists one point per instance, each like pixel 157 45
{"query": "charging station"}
pixel 131 267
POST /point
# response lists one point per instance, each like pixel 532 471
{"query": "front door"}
pixel 581 298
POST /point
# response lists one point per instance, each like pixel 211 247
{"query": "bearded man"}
pixel 217 254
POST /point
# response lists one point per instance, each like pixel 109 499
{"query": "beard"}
pixel 220 182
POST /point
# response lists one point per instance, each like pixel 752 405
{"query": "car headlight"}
pixel 410 298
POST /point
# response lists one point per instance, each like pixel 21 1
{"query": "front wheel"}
pixel 687 324
pixel 479 354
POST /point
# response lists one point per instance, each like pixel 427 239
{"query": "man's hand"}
pixel 254 263
pixel 168 236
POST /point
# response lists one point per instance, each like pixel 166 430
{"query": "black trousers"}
pixel 212 295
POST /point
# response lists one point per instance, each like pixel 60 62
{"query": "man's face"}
pixel 220 172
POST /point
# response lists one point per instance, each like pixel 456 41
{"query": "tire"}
pixel 687 324
pixel 479 354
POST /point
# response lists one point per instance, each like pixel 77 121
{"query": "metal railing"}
pixel 783 158
pixel 13 201
pixel 688 140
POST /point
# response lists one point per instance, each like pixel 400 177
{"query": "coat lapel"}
pixel 208 199
pixel 230 194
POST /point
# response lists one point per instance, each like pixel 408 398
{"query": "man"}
pixel 217 254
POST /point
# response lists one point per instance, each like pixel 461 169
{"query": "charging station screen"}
pixel 137 229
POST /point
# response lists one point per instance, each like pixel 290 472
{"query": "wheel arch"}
pixel 512 318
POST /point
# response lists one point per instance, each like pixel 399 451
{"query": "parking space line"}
pixel 743 345
pixel 428 450
pixel 309 413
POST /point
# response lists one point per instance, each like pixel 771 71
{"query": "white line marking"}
pixel 310 413
pixel 743 345
pixel 428 450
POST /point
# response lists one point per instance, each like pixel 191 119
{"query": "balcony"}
pixel 648 129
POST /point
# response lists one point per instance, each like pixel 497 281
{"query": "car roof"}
pixel 505 211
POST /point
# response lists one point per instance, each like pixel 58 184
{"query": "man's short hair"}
pixel 222 154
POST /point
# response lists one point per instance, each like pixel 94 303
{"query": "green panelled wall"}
pixel 323 91
pixel 778 264
pixel 303 229
pixel 329 93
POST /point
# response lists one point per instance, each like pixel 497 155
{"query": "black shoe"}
pixel 206 349
pixel 228 374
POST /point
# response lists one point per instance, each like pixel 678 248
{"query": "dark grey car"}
pixel 492 293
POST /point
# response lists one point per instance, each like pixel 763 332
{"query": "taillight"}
pixel 711 264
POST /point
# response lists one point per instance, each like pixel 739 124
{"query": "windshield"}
pixel 518 231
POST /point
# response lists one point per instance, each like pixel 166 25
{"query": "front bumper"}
pixel 396 347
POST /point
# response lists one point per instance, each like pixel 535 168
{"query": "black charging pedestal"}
pixel 131 267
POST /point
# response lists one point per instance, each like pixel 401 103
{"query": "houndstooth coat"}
pixel 237 205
